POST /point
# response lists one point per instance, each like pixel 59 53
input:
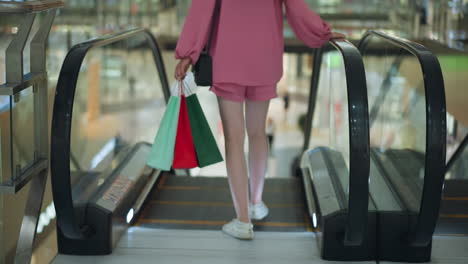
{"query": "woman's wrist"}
pixel 187 60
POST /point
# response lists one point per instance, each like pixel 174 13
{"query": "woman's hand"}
pixel 337 36
pixel 181 68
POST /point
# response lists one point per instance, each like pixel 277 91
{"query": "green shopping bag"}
pixel 205 144
pixel 162 151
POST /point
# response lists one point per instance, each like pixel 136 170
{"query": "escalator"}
pixel 98 166
pixel 101 184
pixel 335 167
pixel 204 203
pixel 407 141
pixel 453 217
pixel 363 195
pixel 403 155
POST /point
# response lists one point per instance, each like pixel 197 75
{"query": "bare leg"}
pixel 232 117
pixel 256 112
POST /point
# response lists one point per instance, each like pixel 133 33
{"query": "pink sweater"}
pixel 248 43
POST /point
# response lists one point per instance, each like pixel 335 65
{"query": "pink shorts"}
pixel 240 93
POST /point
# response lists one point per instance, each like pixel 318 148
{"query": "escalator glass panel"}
pixel 109 100
pixel 330 126
pixel 407 120
pixel 118 102
pixel 397 113
pixel 335 165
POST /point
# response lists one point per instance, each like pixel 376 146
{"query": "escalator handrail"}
pixel 62 122
pixel 359 147
pixel 12 7
pixel 434 167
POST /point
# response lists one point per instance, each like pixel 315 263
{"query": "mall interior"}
pixel 84 86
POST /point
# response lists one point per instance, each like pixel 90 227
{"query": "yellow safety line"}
pixel 308 225
pixel 455 198
pixel 451 234
pixel 203 222
pixel 454 215
pixel 145 209
pixel 278 205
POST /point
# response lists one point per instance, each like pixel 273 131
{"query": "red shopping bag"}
pixel 185 156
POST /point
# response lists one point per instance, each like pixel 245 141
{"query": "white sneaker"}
pixel 239 229
pixel 258 211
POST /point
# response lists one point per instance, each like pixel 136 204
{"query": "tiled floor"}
pixel 143 245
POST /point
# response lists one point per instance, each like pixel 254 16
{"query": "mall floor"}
pixel 145 245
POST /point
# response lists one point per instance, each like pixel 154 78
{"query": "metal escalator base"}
pixel 105 203
pixel 325 176
pixel 399 170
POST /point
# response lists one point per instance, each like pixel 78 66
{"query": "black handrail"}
pixel 434 168
pixel 314 83
pixel 359 148
pixel 62 122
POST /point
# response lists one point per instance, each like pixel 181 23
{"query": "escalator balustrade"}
pixel 335 169
pixel 98 165
pixel 407 138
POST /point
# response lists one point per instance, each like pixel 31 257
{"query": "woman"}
pixel 247 50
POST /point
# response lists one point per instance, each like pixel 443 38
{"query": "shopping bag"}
pixel 204 142
pixel 162 152
pixel 203 139
pixel 185 156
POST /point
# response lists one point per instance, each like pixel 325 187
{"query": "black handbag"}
pixel 203 69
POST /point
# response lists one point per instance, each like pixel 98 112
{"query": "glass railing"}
pixel 457 167
pixel 407 128
pixel 331 120
pixel 338 121
pixel 24 27
pixel 111 95
pixel 454 65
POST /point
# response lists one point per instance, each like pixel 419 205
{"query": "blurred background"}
pixel 119 97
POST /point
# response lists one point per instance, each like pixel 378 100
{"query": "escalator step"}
pixel 453 217
pixel 456 188
pixel 205 203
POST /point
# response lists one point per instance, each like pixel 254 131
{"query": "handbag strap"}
pixel 212 25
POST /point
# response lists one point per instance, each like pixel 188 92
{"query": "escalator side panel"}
pixel 315 163
pixel 394 228
pixel 380 192
pixel 97 243
pixel 395 222
pixel 112 207
pixel 332 246
pixel 319 168
pixel 401 175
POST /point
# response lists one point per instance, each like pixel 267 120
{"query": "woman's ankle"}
pixel 244 220
pixel 256 202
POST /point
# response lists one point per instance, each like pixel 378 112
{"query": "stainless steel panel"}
pixel 314 161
